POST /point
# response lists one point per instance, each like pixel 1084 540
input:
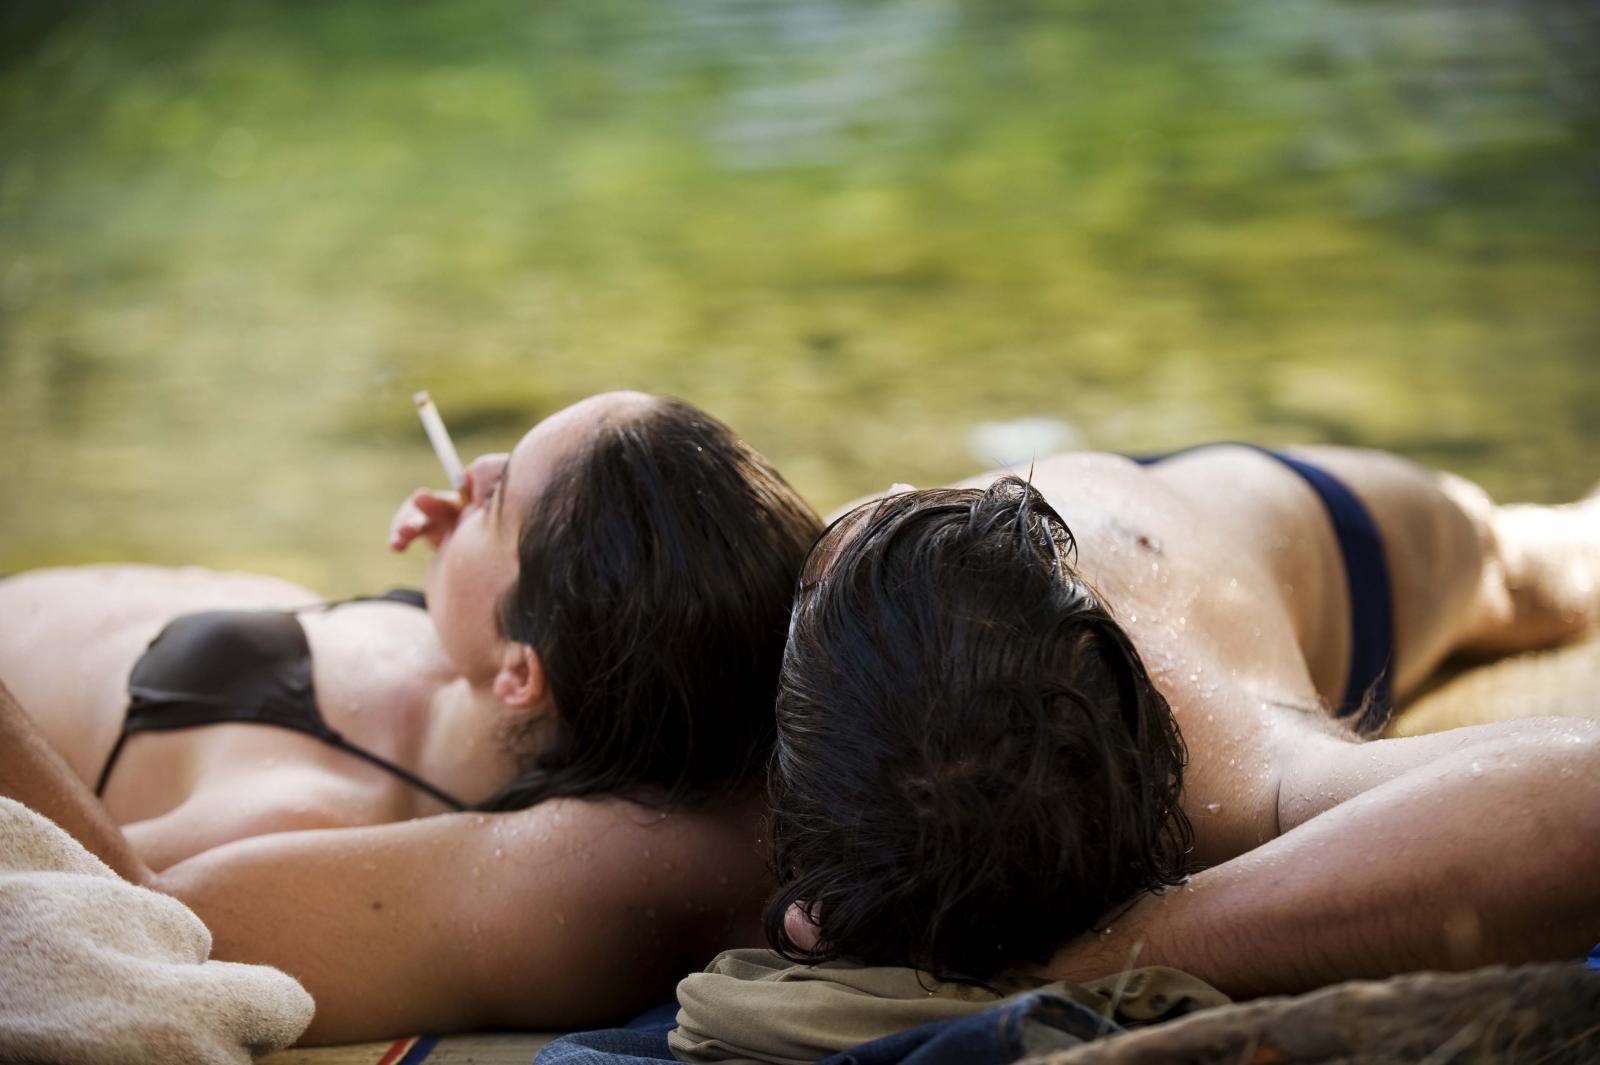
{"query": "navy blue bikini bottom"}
pixel 1365 704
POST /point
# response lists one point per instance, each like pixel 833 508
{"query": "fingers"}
pixel 428 515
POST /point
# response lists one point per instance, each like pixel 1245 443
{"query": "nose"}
pixel 482 473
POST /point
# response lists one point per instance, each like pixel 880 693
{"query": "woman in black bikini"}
pixel 586 700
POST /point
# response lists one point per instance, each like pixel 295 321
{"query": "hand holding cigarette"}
pixel 427 513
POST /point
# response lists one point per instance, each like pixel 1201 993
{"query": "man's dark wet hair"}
pixel 656 572
pixel 972 764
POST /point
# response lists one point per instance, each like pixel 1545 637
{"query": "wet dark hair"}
pixel 972 764
pixel 656 574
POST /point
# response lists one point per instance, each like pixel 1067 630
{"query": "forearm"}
pixel 1475 859
pixel 32 773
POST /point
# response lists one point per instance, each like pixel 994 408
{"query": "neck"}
pixel 464 742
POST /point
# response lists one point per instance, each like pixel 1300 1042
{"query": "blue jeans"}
pixel 1030 1024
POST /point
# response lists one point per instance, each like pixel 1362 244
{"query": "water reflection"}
pixel 234 238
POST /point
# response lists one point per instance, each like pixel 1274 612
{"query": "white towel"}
pixel 94 970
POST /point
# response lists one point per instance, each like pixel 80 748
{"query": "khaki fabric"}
pixel 754 1006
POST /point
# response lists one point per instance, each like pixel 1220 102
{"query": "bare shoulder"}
pixel 1064 471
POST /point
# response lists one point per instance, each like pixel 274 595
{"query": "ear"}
pixel 520 681
pixel 801 926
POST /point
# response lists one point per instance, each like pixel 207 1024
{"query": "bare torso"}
pixel 1222 565
pixel 71 637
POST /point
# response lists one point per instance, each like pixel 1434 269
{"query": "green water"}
pixel 234 237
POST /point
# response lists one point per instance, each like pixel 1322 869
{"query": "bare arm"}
pixel 32 773
pixel 1483 853
pixel 551 917
pixel 1319 771
pixel 531 920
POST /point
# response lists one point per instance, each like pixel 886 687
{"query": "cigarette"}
pixel 439 439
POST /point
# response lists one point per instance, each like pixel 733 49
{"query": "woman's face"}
pixel 476 562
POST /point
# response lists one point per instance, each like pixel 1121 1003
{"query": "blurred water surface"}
pixel 235 236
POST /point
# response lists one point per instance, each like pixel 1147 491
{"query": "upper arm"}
pixel 1445 856
pixel 1321 773
pixel 534 919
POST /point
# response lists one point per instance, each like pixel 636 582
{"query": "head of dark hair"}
pixel 972 763
pixel 655 578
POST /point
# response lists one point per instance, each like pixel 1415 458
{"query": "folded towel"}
pixel 755 1007
pixel 96 970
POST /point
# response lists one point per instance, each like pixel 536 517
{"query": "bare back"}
pixel 1223 566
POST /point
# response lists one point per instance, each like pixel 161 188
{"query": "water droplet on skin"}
pixel 499 853
pixel 1477 769
pixel 1182 621
pixel 1213 807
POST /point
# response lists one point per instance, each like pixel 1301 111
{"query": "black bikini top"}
pixel 240 666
